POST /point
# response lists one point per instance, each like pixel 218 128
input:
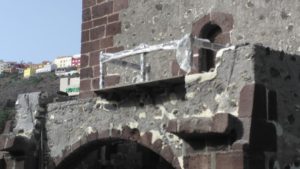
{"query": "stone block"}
pixel 85 85
pixel 100 1
pixel 92 136
pixel 86 25
pixel 246 101
pixel 75 146
pixel 172 126
pixel 97 32
pixel 86 15
pixel 195 125
pixel 88 3
pixel 199 161
pixel 113 28
pixel 167 154
pixel 86 94
pixel 230 160
pixel 95 83
pixel 100 21
pixel 84 61
pixel 94 58
pixel 85 47
pixel 103 134
pixel 146 139
pixel 106 42
pixel 85 36
pixel 222 123
pixel 113 18
pixel 198 25
pixel 102 9
pixel 95 45
pixel 86 73
pixel 157 145
pixel 224 20
pixel 96 71
pixel 120 4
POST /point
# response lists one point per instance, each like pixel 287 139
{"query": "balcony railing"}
pixel 183 49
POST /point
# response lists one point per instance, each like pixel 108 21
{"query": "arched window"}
pixel 216 27
pixel 207 57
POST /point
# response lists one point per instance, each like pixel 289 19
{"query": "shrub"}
pixel 4 115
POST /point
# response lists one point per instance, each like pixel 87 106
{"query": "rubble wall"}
pixel 274 109
pixel 197 96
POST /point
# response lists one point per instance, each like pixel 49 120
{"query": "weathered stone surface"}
pixel 238 86
pixel 27 108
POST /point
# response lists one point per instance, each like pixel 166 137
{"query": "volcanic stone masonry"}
pixel 244 114
pixel 114 25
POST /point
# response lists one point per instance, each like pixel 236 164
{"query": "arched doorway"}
pixel 114 154
pixel 207 57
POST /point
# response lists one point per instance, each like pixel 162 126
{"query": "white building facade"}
pixel 3 66
pixel 63 61
pixel 70 85
pixel 46 68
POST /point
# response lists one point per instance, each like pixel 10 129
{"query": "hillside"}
pixel 11 85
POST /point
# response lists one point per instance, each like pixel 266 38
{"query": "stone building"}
pixel 237 108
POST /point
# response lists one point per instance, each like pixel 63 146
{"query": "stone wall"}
pixel 197 96
pixel 23 143
pixel 242 114
pixel 112 26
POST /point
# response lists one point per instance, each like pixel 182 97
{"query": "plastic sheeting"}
pixel 182 47
pixel 184 53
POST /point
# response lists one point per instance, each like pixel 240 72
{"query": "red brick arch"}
pixel 224 23
pixel 223 20
pixel 128 134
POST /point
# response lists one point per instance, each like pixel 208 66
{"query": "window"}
pixel 207 57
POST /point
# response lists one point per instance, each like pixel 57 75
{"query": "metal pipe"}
pixel 101 78
pixel 142 64
pixel 106 57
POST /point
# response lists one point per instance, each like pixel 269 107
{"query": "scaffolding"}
pixel 182 46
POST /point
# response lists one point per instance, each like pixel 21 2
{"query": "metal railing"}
pixel 183 54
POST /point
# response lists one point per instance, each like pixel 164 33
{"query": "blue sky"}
pixel 37 30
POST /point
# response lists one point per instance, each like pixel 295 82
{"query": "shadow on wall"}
pixel 275 120
pixel 146 94
pixel 114 153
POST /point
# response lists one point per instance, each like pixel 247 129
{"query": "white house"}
pixel 3 66
pixel 70 85
pixel 63 61
pixel 46 68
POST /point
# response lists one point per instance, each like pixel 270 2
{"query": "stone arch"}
pixel 146 140
pixel 216 27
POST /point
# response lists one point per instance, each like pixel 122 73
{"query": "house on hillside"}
pixel 3 66
pixel 46 68
pixel 29 72
pixel 63 61
pixel 70 85
pixel 76 61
